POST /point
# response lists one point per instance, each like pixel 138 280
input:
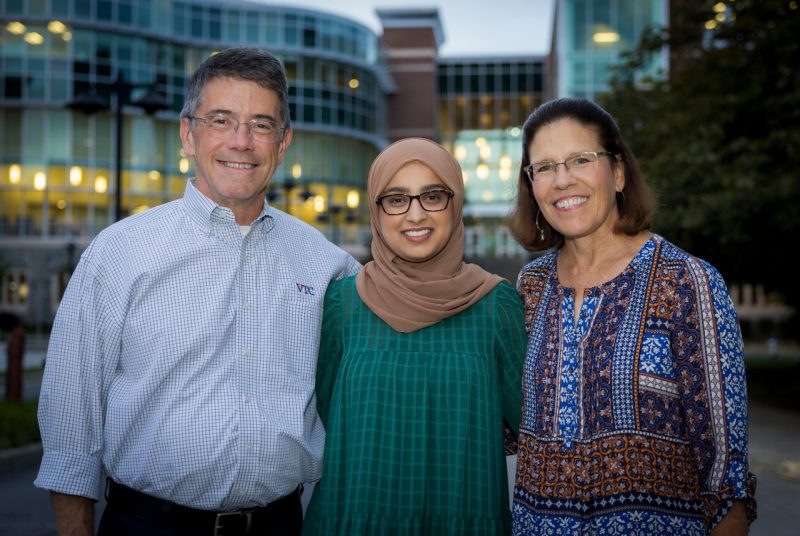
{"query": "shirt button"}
pixel 246 306
pixel 246 399
pixel 246 352
pixel 248 448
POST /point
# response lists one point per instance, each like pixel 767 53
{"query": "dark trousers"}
pixel 131 513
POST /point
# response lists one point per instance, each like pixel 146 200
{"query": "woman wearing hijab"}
pixel 419 367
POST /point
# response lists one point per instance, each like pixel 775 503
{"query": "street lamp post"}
pixel 288 185
pixel 334 211
pixel 331 215
pixel 91 101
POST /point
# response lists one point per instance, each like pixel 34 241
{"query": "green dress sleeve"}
pixel 511 343
pixel 330 348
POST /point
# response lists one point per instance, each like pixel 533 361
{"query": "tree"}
pixel 719 138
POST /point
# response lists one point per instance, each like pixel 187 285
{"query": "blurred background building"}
pixel 90 92
pixel 589 37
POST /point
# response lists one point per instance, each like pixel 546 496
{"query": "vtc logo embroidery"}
pixel 305 289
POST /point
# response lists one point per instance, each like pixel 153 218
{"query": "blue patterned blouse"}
pixel 634 417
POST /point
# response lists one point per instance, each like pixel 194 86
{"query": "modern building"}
pixel 475 107
pixel 90 92
pixel 589 37
pixel 59 165
pixel 482 104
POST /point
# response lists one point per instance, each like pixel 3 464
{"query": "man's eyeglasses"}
pixel 432 201
pixel 264 130
pixel 577 163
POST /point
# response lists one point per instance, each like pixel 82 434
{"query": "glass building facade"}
pixel 58 179
pixel 590 35
pixel 482 105
pixel 57 164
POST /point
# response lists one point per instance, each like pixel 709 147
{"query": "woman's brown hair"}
pixel 635 203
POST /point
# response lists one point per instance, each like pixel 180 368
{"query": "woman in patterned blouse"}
pixel 634 417
pixel 420 364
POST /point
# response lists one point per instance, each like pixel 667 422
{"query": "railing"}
pixel 753 304
pixel 491 241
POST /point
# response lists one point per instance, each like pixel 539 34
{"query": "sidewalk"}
pixel 774 442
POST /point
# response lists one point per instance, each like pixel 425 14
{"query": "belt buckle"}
pixel 219 523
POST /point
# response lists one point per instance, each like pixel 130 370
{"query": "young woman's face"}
pixel 579 201
pixel 418 234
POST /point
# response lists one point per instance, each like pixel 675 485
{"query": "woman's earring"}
pixel 539 227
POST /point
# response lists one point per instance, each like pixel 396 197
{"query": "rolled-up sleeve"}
pixel 84 343
pixel 709 355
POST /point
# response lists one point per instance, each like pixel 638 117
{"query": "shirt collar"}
pixel 203 210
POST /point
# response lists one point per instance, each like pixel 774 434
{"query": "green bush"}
pixel 18 424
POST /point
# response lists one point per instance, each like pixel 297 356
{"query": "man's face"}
pixel 234 168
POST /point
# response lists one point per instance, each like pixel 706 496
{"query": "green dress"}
pixel 414 421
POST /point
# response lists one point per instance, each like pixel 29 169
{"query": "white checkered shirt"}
pixel 182 358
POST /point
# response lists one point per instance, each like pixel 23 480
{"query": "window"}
pixel 83 8
pixel 14 7
pixel 125 13
pixel 14 290
pixel 104 10
pixel 60 9
pixel 12 87
pixel 36 79
pixel 271 28
pixel 309 33
pixel 290 30
pixel 214 24
pixel 143 15
pixel 179 19
pixel 197 22
pixel 232 26
pixel 252 26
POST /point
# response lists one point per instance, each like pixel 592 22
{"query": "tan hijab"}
pixel 412 295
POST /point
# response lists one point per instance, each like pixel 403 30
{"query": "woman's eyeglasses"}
pixel 575 163
pixel 431 201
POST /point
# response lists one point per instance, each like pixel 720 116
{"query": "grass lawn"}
pixel 18 425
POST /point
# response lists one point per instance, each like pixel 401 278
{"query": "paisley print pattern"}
pixel 634 418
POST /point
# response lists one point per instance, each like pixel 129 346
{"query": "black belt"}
pixel 169 514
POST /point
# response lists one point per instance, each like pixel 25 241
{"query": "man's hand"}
pixel 74 514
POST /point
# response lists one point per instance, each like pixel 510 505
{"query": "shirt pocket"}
pixel 296 343
pixel 656 365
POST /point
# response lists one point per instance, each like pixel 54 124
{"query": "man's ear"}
pixel 284 145
pixel 187 136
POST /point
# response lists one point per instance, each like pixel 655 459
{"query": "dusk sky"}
pixel 471 27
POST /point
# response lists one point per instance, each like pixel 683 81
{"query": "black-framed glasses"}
pixel 430 201
pixel 261 129
pixel 578 162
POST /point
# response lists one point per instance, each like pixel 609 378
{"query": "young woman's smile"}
pixel 417 234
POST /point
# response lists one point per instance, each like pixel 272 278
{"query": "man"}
pixel 181 362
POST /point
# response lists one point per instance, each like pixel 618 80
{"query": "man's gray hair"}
pixel 243 63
